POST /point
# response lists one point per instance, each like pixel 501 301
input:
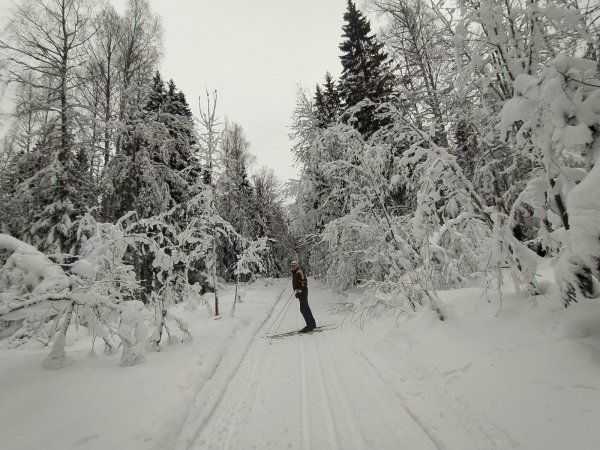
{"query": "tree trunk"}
pixel 57 359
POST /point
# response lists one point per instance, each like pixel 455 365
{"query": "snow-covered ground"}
pixel 515 373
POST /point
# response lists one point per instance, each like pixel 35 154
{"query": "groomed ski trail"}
pixel 208 395
pixel 303 392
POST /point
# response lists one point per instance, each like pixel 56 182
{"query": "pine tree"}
pixel 366 74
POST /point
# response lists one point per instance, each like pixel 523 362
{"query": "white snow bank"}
pixel 28 268
pixel 102 405
pixel 502 374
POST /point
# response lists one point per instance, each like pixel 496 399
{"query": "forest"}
pixel 458 145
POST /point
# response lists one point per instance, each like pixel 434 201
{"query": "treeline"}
pixel 459 140
pixel 106 172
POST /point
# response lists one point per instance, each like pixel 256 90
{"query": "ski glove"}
pixel 298 292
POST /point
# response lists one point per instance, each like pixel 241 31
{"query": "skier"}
pixel 300 286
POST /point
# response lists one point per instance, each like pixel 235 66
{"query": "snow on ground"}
pixel 96 404
pixel 516 373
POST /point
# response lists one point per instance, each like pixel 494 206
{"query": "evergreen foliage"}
pixel 470 152
pixel 367 78
pixel 327 102
pixel 464 161
pixel 157 167
pixel 96 125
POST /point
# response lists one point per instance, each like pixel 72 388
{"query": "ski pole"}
pixel 281 311
pixel 275 321
pixel 289 303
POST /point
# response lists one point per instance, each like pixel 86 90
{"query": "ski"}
pixel 297 332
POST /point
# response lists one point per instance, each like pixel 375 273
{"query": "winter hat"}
pixel 294 263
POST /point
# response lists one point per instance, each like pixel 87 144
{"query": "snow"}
pixel 38 273
pixel 583 204
pixel 103 405
pixel 132 329
pixel 504 372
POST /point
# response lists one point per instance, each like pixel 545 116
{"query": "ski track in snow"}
pixel 305 423
pixel 303 392
pixel 207 397
pixel 452 411
pixel 383 386
pixel 333 444
pixel 345 410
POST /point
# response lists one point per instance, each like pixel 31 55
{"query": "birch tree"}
pixel 45 47
pixel 105 82
pixel 424 58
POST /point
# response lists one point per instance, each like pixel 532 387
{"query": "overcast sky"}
pixel 254 53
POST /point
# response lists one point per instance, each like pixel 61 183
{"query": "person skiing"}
pixel 300 286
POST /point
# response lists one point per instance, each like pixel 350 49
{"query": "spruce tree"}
pixel 366 73
pixel 157 167
pixel 332 97
pixel 157 95
pixel 320 108
pixel 327 103
pixel 156 174
pixel 176 102
pixel 179 122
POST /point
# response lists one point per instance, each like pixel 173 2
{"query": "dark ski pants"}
pixel 305 309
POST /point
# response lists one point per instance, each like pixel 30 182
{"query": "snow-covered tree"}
pixel 139 52
pixel 423 52
pixel 556 118
pixel 209 136
pixel 157 171
pixel 367 78
pixel 270 221
pixel 40 301
pixel 104 86
pixel 327 102
pixel 45 45
pixel 234 190
pixel 158 165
